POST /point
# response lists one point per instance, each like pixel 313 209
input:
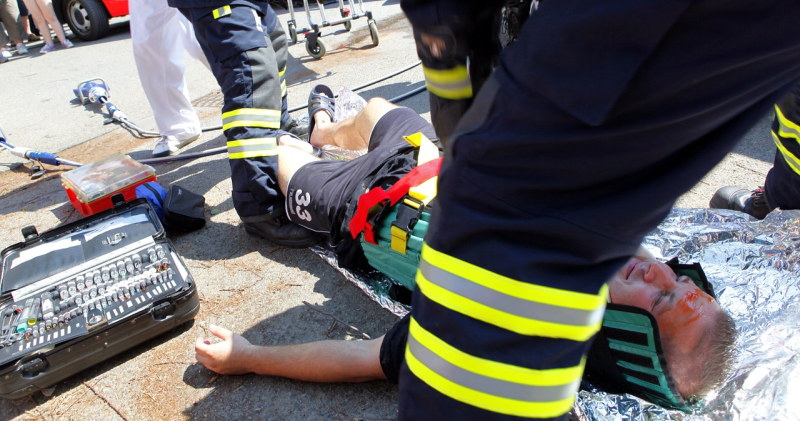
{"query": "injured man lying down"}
pixel 664 336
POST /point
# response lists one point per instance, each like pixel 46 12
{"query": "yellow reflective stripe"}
pixel 399 239
pixel 490 385
pixel 252 117
pixel 787 128
pixel 522 290
pixel 450 83
pixel 788 157
pixel 517 306
pixel 282 76
pixel 252 148
pixel 222 11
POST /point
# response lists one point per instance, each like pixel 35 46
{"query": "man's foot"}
pixel 277 228
pixel 21 48
pixel 5 53
pixel 34 38
pixel 320 99
pixel 170 145
pixel 750 202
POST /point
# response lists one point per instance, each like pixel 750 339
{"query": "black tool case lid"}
pixel 44 255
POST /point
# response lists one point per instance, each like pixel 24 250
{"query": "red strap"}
pixel 377 195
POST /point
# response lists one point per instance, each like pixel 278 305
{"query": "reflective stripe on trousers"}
pixel 786 135
pixel 252 148
pixel 453 83
pixel 516 306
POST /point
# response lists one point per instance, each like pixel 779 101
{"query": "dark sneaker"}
pixel 278 229
pixel 752 202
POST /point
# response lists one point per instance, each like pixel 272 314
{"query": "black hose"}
pixel 181 157
pixel 356 89
pixel 408 94
pixel 221 149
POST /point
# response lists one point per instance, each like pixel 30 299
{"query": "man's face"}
pixel 683 311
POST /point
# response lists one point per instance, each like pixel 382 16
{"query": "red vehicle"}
pixel 88 19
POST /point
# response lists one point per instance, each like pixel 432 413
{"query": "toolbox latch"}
pixel 33 367
pixel 29 233
pixel 163 310
pixel 117 200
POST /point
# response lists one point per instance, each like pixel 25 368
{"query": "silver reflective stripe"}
pixel 489 385
pixel 273 119
pixel 506 303
pixel 251 148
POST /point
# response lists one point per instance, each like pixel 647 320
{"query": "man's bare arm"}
pixel 322 361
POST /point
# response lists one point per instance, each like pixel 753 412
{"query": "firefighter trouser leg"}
pixel 783 180
pixel 542 197
pixel 246 68
pixel 277 38
pixel 456 60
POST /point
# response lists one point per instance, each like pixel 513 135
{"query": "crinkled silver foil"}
pixel 753 266
pixel 374 284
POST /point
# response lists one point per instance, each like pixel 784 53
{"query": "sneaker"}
pixel 67 44
pixel 5 53
pixel 750 202
pixel 170 145
pixel 47 48
pixel 34 38
pixel 21 48
pixel 277 228
pixel 3 59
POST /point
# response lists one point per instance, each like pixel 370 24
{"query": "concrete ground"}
pixel 250 286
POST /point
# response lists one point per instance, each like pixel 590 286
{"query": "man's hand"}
pixel 231 356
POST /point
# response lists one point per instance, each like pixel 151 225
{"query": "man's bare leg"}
pixel 292 154
pixel 352 133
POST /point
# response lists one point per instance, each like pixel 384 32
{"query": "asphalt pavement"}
pixel 250 286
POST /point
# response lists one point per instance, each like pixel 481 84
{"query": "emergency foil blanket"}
pixel 753 266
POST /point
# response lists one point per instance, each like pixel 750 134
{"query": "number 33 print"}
pixel 302 200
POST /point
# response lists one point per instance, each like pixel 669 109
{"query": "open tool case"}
pixel 83 292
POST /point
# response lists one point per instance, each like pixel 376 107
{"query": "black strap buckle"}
pixel 377 212
pixel 408 215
